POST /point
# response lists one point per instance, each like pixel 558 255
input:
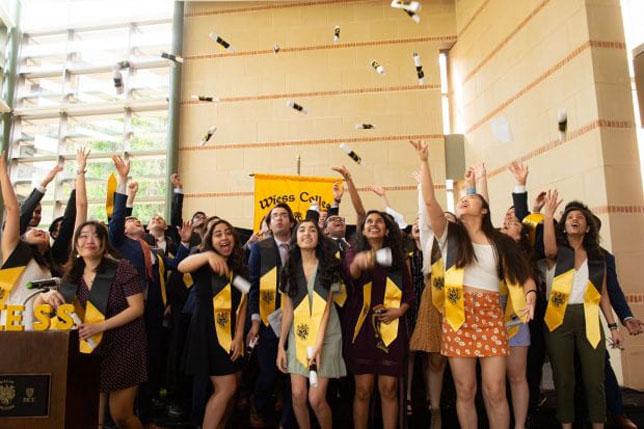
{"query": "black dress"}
pixel 123 350
pixel 203 355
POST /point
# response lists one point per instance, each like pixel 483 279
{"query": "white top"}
pixel 33 271
pixel 483 273
pixel 579 283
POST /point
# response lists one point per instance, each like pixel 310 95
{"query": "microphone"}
pixel 44 283
pixel 313 368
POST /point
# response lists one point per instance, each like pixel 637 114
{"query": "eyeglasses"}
pixel 279 216
pixel 334 218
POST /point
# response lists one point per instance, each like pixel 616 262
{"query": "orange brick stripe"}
pixel 269 7
pixel 474 16
pixel 313 142
pixel 505 41
pixel 552 70
pixel 251 193
pixel 611 209
pixel 353 91
pixel 283 50
pixel 634 298
pixel 601 123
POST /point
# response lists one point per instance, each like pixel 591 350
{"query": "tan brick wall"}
pixel 258 133
pixel 526 61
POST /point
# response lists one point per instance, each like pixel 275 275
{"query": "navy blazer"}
pixel 130 249
pixel 254 265
pixel 615 293
pixel 27 208
pixel 520 202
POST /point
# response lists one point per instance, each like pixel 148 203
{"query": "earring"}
pixel 77 256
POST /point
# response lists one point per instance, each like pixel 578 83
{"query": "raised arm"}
pixel 176 208
pixel 31 202
pixel 11 233
pixel 437 220
pixel 520 172
pixel 549 237
pixel 480 174
pixel 116 226
pixel 194 262
pixel 378 190
pixel 338 192
pixel 81 189
pixel 132 190
pixel 353 193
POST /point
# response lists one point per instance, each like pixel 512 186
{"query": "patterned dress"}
pixel 123 350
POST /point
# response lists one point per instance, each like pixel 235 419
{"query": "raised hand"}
pixel 122 167
pixel 176 181
pixel 520 172
pixel 378 190
pixel 539 202
pixel 343 172
pixel 132 188
pixel 81 158
pixel 51 175
pixel 185 231
pixel 479 170
pixel 470 178
pixel 422 149
pixel 552 202
pixel 338 191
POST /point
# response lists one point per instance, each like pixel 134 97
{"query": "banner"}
pixel 296 191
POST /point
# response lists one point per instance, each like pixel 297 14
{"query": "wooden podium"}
pixel 45 382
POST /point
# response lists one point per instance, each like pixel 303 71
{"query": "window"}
pixel 67 99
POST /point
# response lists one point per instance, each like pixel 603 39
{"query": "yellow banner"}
pixel 296 191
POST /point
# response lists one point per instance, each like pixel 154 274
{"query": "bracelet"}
pixel 612 326
pixel 81 172
pixel 470 191
pixel 531 290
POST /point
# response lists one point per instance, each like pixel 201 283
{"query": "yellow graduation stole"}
pixel 516 300
pixel 531 221
pixel 222 304
pixel 437 277
pixel 340 298
pixel 307 315
pixel 366 307
pixel 268 279
pixel 187 280
pixel 12 269
pixel 561 287
pixel 454 301
pixel 391 299
pixel 164 295
pixel 109 200
pixel 96 307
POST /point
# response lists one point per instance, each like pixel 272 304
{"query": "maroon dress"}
pixel 123 350
pixel 363 356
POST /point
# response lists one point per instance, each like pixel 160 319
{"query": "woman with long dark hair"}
pixel 477 257
pixel 108 296
pixel 214 346
pixel 375 336
pixel 310 322
pixel 576 290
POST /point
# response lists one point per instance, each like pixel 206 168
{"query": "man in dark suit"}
pixel 267 256
pixel 126 235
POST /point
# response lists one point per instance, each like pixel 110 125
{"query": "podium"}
pixel 45 382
